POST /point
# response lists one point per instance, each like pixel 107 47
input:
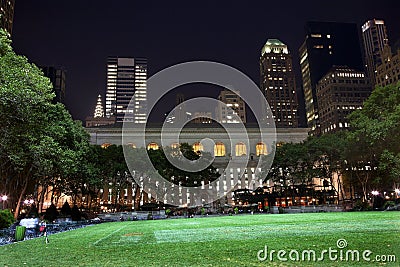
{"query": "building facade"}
pixel 126 80
pixel 326 44
pixel 224 151
pixel 278 83
pixel 202 117
pixel 57 77
pixel 375 38
pixel 388 72
pixel 7 15
pixel 341 91
pixel 232 109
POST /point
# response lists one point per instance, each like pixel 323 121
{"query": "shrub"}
pixel 6 218
pixel 203 211
pixel 361 206
pixel 281 210
pixel 66 209
pixel 51 213
pixel 389 204
pixel 76 213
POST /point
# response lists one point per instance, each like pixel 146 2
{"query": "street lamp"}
pixel 28 201
pixel 3 199
pixel 375 193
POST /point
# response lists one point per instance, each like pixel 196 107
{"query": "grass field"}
pixel 215 241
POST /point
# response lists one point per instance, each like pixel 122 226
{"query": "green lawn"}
pixel 217 241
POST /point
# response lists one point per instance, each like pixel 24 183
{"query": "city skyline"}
pixel 326 44
pixel 166 35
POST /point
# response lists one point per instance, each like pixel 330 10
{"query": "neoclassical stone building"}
pixel 227 148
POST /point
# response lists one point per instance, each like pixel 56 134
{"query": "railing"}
pixel 313 208
pixel 132 216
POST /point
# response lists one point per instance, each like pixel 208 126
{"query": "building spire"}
pixel 99 110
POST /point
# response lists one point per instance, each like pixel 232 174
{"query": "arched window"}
pixel 174 145
pixel 261 149
pixel 198 147
pixel 240 149
pixel 105 145
pixel 219 149
pixel 153 146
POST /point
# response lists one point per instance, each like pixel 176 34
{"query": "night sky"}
pixel 78 35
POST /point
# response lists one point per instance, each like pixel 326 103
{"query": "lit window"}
pixel 219 149
pixel 175 145
pixel 261 149
pixel 153 146
pixel 198 147
pixel 240 149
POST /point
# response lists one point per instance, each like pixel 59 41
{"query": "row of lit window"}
pixel 318 35
pixel 219 148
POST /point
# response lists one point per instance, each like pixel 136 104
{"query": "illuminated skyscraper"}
pixel 98 118
pixel 98 111
pixel 341 91
pixel 278 83
pixel 388 72
pixel 234 105
pixel 7 15
pixel 326 44
pixel 375 39
pixel 126 80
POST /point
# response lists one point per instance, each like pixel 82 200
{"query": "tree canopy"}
pixel 40 144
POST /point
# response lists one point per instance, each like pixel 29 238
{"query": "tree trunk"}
pixel 21 195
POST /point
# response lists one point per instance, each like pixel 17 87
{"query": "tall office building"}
pixel 98 118
pixel 7 15
pixel 341 91
pixel 327 44
pixel 375 39
pixel 126 80
pixel 99 110
pixel 278 83
pixel 57 77
pixel 388 72
pixel 233 105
